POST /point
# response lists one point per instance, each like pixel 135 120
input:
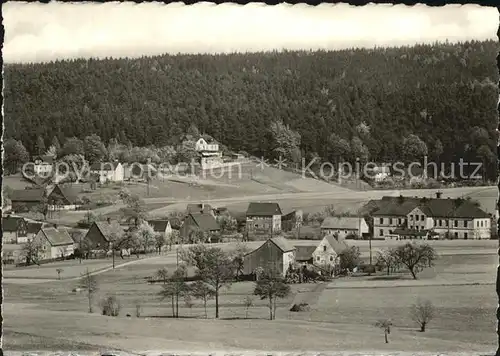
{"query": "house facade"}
pixel 108 171
pixel 162 227
pixel 263 219
pixel 276 254
pixel 292 220
pixel 14 230
pixel 25 199
pixel 43 165
pixel 343 226
pixel 404 217
pixel 194 223
pixel 55 243
pixel 99 236
pixel 63 198
pixel 326 254
pixel 209 153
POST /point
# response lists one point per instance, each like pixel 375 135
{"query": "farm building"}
pixel 55 243
pixel 454 218
pixel 303 254
pixel 193 223
pixel 263 218
pixel 291 220
pixel 327 252
pixel 63 198
pixel 343 226
pixel 33 228
pixel 108 171
pixel 161 227
pixel 102 233
pixel 276 254
pixel 25 199
pixel 14 230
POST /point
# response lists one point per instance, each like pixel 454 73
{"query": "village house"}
pixel 380 173
pixel 291 220
pixel 43 165
pixel 23 200
pixel 200 208
pixel 63 198
pixel 263 218
pixel 108 171
pixel 327 253
pixel 101 234
pixel 343 226
pixel 303 254
pixel 209 154
pixel 194 222
pixel 14 230
pixel 275 254
pixel 55 243
pixel 407 217
pixel 162 227
pixel 33 229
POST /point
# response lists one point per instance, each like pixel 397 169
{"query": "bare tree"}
pixel 175 288
pixel 271 286
pixel 248 301
pixel 214 267
pixel 59 271
pixel 386 259
pixel 238 256
pixel 89 282
pixel 201 290
pixel 386 326
pixel 415 257
pixel 422 312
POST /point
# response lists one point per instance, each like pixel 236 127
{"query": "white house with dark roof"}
pixel 55 243
pixel 108 171
pixel 14 229
pixel 263 218
pixel 276 254
pixel 342 226
pixel 327 253
pixel 161 227
pixel 43 165
pixel 63 198
pixel 209 153
pixel 408 217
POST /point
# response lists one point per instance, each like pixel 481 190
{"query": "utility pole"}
pixel 113 254
pixel 80 248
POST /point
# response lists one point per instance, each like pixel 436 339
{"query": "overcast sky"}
pixel 37 32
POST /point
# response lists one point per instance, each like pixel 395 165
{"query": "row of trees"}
pixel 215 270
pixel 412 256
pixel 406 100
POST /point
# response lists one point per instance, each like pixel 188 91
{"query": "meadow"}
pixel 342 317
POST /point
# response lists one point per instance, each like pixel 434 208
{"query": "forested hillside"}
pixel 437 92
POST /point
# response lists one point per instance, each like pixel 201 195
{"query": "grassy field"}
pixel 461 286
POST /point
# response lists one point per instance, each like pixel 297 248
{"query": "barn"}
pixel 276 253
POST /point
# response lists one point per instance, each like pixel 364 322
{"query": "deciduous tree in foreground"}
pixel 89 282
pixel 422 312
pixel 386 326
pixel 415 257
pixel 271 286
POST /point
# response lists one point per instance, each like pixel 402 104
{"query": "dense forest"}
pixel 376 99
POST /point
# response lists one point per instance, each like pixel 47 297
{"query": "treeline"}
pixel 436 93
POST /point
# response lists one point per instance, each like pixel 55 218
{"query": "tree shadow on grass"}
pixel 171 317
pixel 389 278
pixel 241 318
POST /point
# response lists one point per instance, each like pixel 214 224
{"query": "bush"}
pixel 110 306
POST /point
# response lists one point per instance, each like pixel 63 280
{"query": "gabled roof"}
pixel 304 253
pixel 341 222
pixel 105 228
pixel 57 237
pixel 34 227
pixel 11 223
pixel 104 166
pixel 263 209
pixel 337 246
pixel 64 192
pixel 283 244
pixel 433 207
pixel 45 159
pixel 27 195
pixel 196 208
pixel 158 225
pixel 205 222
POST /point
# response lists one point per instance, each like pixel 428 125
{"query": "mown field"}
pixel 461 286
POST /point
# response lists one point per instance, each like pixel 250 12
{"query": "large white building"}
pixel 407 217
pixel 210 155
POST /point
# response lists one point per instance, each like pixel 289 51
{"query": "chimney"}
pixel 108 220
pixel 439 194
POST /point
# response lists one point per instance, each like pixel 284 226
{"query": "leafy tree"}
pixel 193 131
pixel 414 148
pixel 227 223
pixel 350 258
pixel 359 150
pixel 338 148
pixel 238 256
pixel 415 257
pixel 94 149
pixel 56 146
pixel 73 146
pixel 248 302
pixel 135 208
pixel 286 140
pixel 386 259
pixel 15 154
pixel 32 250
pixel 40 145
pixel 146 235
pixel 175 288
pixel 201 290
pixel 89 283
pixel 271 286
pixel 214 267
pixel 186 152
pixel 422 312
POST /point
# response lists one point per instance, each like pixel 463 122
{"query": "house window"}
pixel 465 223
pixel 481 223
pixel 345 231
pixel 417 217
pixel 381 220
pixel 381 232
pixel 456 235
pixel 317 258
pixel 324 248
pixel 423 218
pixel 466 236
pixel 331 258
pixel 399 221
pixel 456 223
pixel 390 221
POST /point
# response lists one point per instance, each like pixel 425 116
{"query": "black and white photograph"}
pixel 250 179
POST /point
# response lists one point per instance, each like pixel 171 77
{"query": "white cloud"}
pixel 38 32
